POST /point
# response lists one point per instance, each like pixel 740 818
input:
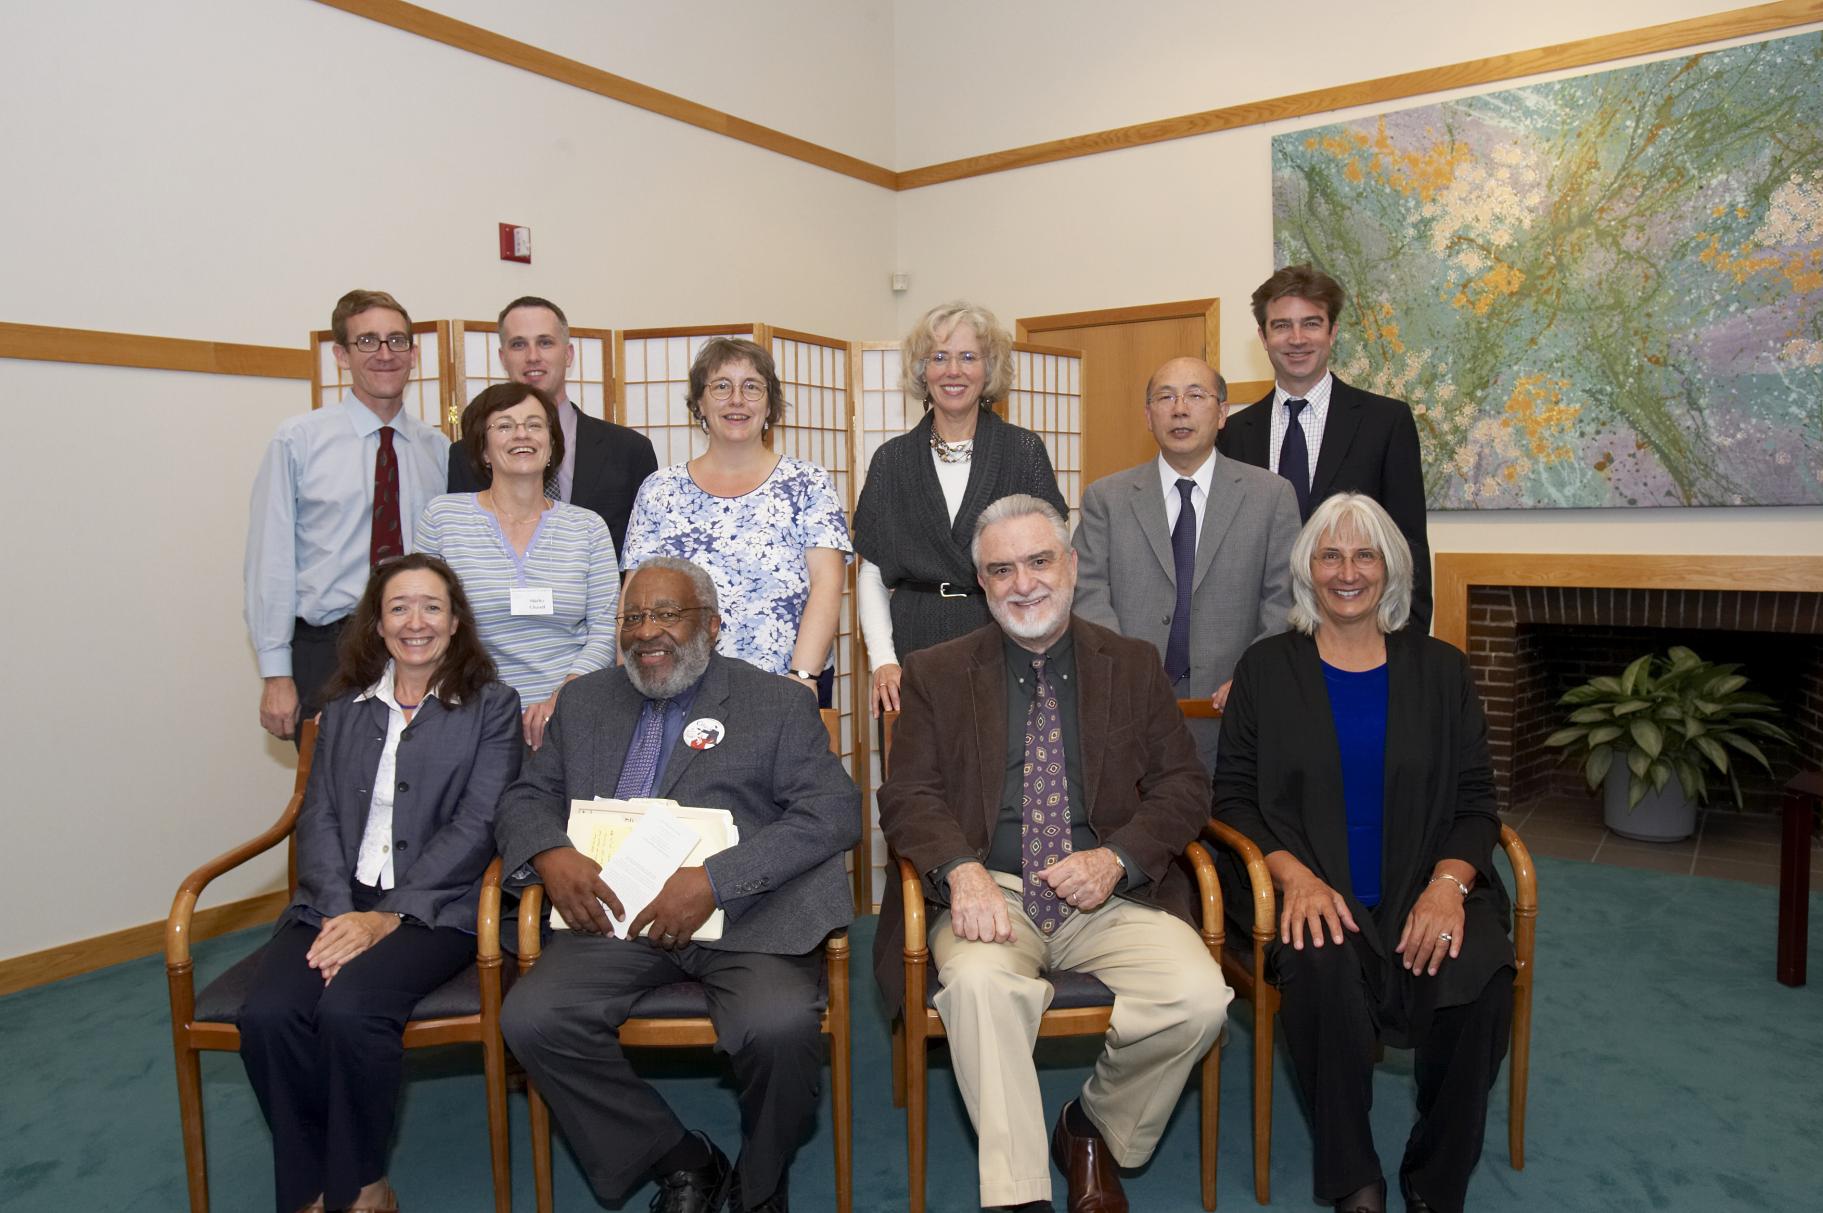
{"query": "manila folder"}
pixel 598 827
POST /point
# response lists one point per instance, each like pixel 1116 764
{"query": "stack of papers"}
pixel 640 843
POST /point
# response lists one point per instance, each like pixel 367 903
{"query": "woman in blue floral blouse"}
pixel 767 527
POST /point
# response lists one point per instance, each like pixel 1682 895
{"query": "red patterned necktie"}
pixel 1044 834
pixel 388 537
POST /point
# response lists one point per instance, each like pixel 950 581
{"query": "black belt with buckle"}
pixel 945 589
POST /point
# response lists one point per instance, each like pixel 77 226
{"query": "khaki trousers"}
pixel 1169 1006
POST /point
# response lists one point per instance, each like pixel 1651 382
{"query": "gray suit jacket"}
pixel 1127 577
pixel 452 764
pixel 784 887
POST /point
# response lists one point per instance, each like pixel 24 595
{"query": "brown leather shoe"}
pixel 1088 1168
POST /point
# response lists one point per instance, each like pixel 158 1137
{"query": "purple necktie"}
pixel 386 538
pixel 640 771
pixel 1044 832
pixel 1294 458
pixel 1183 555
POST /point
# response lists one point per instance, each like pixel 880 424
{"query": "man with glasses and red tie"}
pixel 1322 435
pixel 336 495
pixel 1189 550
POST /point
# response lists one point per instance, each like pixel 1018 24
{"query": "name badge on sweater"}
pixel 533 600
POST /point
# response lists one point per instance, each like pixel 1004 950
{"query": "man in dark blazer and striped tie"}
pixel 1323 435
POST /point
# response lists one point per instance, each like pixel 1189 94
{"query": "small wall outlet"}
pixel 515 243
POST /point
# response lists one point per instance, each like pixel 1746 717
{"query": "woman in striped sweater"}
pixel 541 574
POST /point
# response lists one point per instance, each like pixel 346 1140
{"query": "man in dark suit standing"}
pixel 627 732
pixel 1189 551
pixel 1044 782
pixel 1322 435
pixel 603 463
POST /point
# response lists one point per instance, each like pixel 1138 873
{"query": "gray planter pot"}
pixel 1663 816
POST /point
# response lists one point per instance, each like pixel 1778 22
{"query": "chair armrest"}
pixel 1208 896
pixel 1198 709
pixel 1525 877
pixel 487 914
pixel 1265 899
pixel 183 905
pixel 1525 900
pixel 911 887
pixel 531 941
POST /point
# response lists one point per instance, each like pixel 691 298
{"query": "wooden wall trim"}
pixel 1454 573
pixel 93 347
pixel 1584 52
pixel 1180 309
pixel 477 41
pixel 147 939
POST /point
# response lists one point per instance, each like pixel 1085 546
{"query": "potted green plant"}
pixel 1659 732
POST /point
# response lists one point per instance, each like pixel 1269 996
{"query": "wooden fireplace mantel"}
pixel 1454 573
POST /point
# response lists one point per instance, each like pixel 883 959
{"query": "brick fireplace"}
pixel 1536 625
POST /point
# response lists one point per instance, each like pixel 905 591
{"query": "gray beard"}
pixel 691 660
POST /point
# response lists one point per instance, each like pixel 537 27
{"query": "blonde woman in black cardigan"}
pixel 1355 755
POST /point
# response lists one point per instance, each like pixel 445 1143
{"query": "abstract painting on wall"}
pixel 1602 291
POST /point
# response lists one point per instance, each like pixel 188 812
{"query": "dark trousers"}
pixel 313 662
pixel 1330 1026
pixel 326 1061
pixel 562 1022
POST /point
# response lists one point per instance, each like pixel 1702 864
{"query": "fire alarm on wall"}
pixel 515 243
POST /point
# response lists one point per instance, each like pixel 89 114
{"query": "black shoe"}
pixel 1370 1199
pixel 778 1202
pixel 698 1191
pixel 1414 1203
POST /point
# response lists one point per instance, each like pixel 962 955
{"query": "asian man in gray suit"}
pixel 677 720
pixel 1190 551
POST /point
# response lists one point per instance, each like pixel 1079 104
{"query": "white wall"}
pixel 821 70
pixel 132 750
pixel 265 131
pixel 310 151
pixel 1193 217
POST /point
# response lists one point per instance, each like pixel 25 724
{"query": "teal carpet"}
pixel 1669 1072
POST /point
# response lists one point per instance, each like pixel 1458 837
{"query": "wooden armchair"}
pixel 677 1017
pixel 465 1009
pixel 1244 966
pixel 1082 1006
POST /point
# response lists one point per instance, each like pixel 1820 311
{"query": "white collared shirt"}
pixel 373 866
pixel 1310 419
pixel 1168 477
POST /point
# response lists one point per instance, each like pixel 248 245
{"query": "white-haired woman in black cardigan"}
pixel 1354 754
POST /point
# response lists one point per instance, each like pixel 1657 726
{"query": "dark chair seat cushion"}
pixel 1074 991
pixel 221 999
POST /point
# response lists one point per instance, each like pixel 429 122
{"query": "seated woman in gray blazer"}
pixel 1355 755
pixel 416 744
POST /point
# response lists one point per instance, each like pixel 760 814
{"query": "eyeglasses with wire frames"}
pixel 1164 398
pixel 1365 559
pixel 752 390
pixel 664 617
pixel 369 343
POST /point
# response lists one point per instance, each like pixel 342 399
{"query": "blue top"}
pixel 1357 703
pixel 571 554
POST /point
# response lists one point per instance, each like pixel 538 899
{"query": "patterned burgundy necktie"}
pixel 387 538
pixel 1044 834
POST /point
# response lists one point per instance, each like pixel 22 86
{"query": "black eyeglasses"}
pixel 368 343
pixel 664 617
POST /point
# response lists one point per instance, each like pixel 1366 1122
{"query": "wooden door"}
pixel 1121 348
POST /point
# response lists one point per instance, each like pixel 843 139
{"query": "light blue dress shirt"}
pixel 312 517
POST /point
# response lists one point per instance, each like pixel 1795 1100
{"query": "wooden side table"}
pixel 1802 795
